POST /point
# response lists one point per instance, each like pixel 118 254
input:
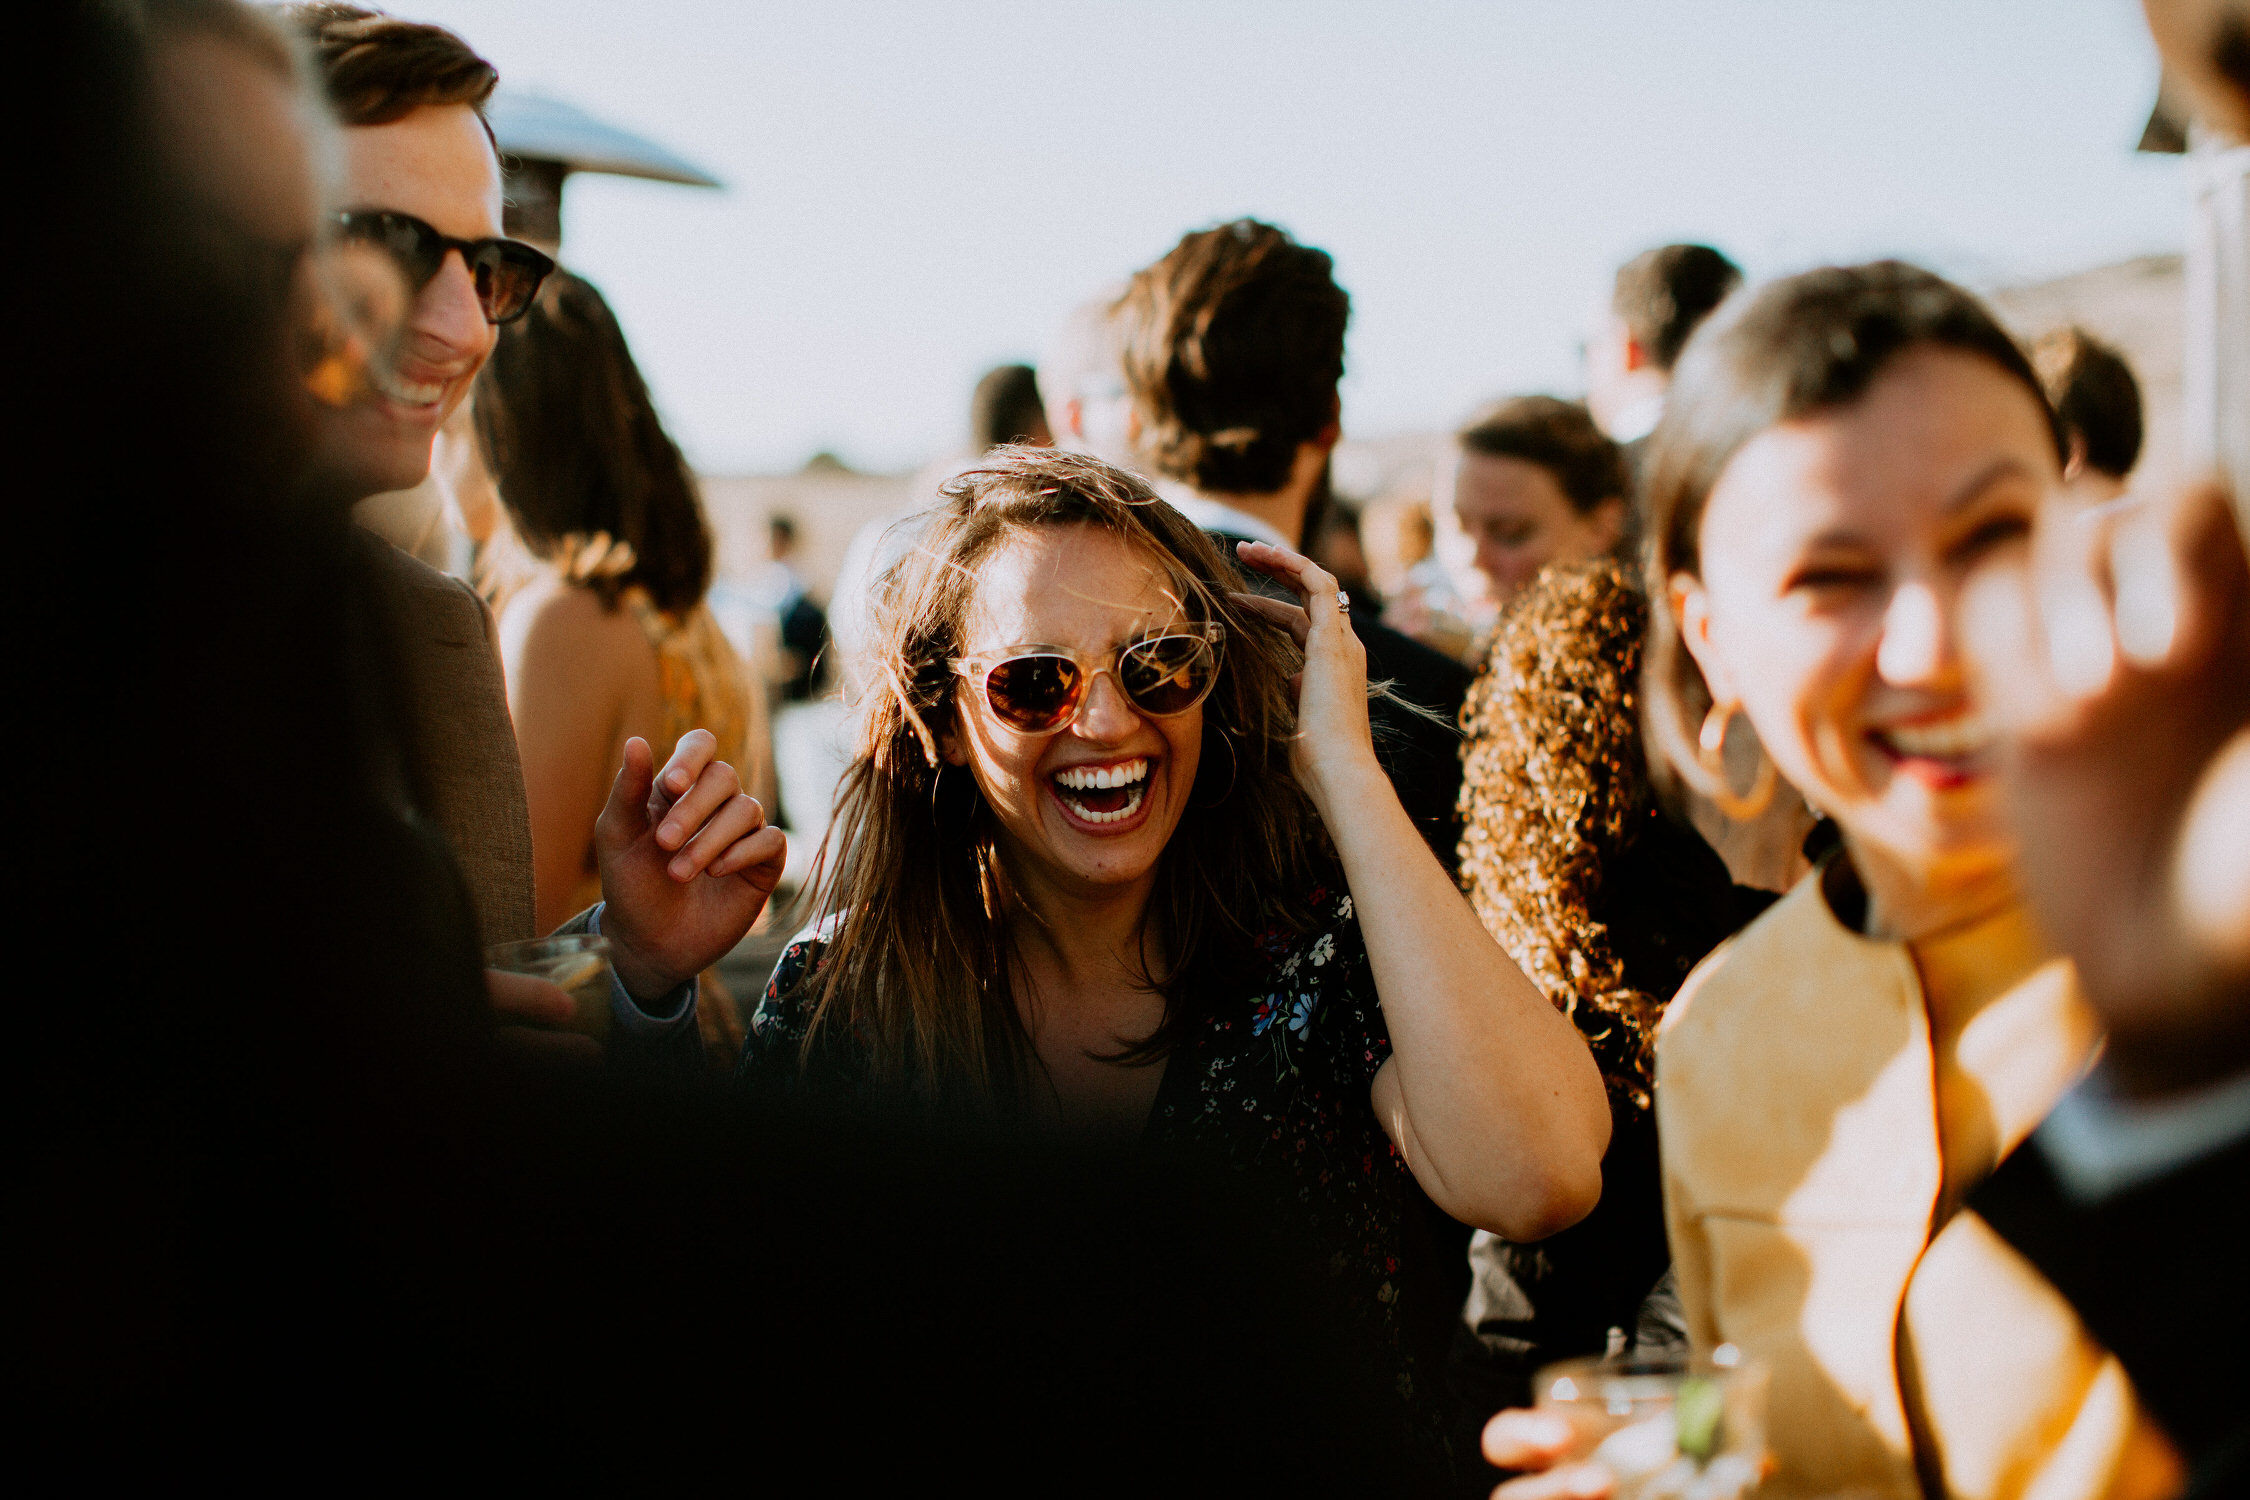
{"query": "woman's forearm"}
pixel 1491 1093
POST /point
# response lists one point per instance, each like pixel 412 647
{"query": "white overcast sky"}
pixel 918 190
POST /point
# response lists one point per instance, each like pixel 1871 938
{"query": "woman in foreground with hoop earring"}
pixel 1840 450
pixel 1119 862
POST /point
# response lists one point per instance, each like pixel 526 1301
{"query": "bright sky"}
pixel 916 191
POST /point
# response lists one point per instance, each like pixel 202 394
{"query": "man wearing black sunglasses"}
pixel 422 187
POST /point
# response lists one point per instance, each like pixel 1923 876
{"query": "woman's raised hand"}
pixel 687 861
pixel 1489 1094
pixel 1333 738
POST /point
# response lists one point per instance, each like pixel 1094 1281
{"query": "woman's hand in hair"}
pixel 1334 744
pixel 2118 659
pixel 687 863
pixel 1489 1092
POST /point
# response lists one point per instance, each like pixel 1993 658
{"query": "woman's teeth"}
pixel 1950 739
pixel 1104 794
pixel 1125 773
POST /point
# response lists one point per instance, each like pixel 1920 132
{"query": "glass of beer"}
pixel 579 963
pixel 1669 1427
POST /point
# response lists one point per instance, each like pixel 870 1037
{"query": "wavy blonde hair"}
pixel 920 915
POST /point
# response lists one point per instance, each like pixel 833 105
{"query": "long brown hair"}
pixel 919 909
pixel 1804 344
pixel 579 454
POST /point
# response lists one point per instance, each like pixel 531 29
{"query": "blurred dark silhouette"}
pixel 802 624
pixel 1006 408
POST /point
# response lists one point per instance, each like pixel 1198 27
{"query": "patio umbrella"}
pixel 543 140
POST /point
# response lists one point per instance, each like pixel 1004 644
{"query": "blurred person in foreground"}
pixel 268 1148
pixel 1842 452
pixel 611 640
pixel 2122 666
pixel 1120 863
pixel 2098 402
pixel 2119 653
pixel 421 184
pixel 1605 901
pixel 1232 348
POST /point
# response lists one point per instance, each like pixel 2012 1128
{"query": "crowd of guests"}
pixel 1776 879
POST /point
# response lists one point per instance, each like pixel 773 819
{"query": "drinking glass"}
pixel 579 963
pixel 1669 1427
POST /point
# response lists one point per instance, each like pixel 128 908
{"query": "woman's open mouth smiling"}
pixel 1102 795
pixel 1946 752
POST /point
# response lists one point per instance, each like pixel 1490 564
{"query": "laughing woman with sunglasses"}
pixel 1119 862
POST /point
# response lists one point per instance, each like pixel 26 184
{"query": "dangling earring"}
pixel 1234 769
pixel 1710 757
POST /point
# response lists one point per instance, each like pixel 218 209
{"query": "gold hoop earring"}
pixel 1710 758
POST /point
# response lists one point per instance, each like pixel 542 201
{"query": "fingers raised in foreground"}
pixel 736 819
pixel 715 786
pixel 696 749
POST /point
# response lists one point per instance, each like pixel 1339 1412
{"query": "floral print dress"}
pixel 1276 1083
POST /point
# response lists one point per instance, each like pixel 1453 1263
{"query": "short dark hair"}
pixel 1809 343
pixel 2094 395
pixel 1662 294
pixel 577 451
pixel 1006 407
pixel 1558 436
pixel 378 68
pixel 1233 347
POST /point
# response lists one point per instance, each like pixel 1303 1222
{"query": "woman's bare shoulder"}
pixel 551 622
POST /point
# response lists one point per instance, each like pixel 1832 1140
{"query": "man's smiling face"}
pixel 437 164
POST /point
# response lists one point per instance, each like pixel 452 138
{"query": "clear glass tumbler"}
pixel 579 963
pixel 1670 1427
